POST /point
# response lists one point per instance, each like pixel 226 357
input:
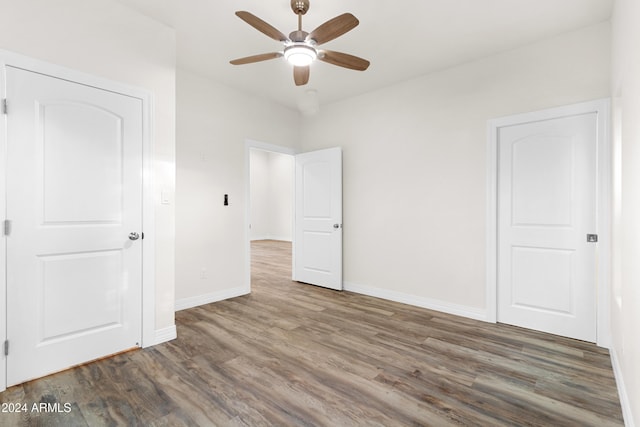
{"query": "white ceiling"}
pixel 402 39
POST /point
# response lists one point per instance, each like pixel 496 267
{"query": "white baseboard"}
pixel 184 303
pixel 431 304
pixel 165 334
pixel 622 390
pixel 279 238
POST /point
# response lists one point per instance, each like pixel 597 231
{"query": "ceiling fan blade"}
pixel 334 28
pixel 344 60
pixel 261 26
pixel 256 58
pixel 301 75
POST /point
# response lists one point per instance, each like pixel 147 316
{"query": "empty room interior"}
pixel 320 212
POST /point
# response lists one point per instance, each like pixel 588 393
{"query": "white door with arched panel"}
pixel 74 205
pixel 317 244
pixel 546 211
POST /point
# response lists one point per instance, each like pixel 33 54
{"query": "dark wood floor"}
pixel 291 354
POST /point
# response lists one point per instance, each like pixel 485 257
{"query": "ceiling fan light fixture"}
pixel 300 55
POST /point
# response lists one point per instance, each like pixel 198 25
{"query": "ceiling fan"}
pixel 301 47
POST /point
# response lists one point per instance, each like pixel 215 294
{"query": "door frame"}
pixel 250 144
pixel 603 206
pixel 148 218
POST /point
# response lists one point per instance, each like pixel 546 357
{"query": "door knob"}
pixel 134 236
pixel 337 225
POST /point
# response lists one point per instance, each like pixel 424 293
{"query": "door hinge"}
pixel 6 347
pixel 4 106
pixel 7 227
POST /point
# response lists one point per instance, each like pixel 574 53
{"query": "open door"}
pixel 317 237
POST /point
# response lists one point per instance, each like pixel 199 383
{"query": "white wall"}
pixel 625 308
pixel 415 165
pixel 259 194
pixel 271 195
pixel 281 191
pixel 106 39
pixel 213 123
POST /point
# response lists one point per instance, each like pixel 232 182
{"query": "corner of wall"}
pixel 185 303
pixel 625 403
pixel 428 303
pixel 164 335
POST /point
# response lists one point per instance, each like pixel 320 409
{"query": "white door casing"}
pixel 74 193
pixel 548 189
pixel 317 245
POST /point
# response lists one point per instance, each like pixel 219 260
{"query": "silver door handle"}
pixel 337 225
pixel 134 236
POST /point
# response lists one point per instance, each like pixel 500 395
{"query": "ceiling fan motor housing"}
pixel 300 7
pixel 298 36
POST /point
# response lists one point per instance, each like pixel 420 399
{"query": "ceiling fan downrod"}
pixel 300 7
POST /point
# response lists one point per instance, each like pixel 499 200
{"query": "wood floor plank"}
pixel 300 355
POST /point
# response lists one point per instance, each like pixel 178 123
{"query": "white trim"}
pixel 148 214
pixel 165 334
pixel 625 403
pixel 491 224
pixel 185 303
pixel 604 203
pixel 265 146
pixel 250 144
pixel 3 213
pixel 270 237
pixel 35 65
pixel 603 190
pixel 428 303
pixel 148 225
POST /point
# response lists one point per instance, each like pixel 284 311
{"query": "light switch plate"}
pixel 165 197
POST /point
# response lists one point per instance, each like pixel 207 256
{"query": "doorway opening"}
pixel 269 210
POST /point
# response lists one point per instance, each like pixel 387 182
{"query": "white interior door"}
pixel 317 244
pixel 546 208
pixel 74 194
